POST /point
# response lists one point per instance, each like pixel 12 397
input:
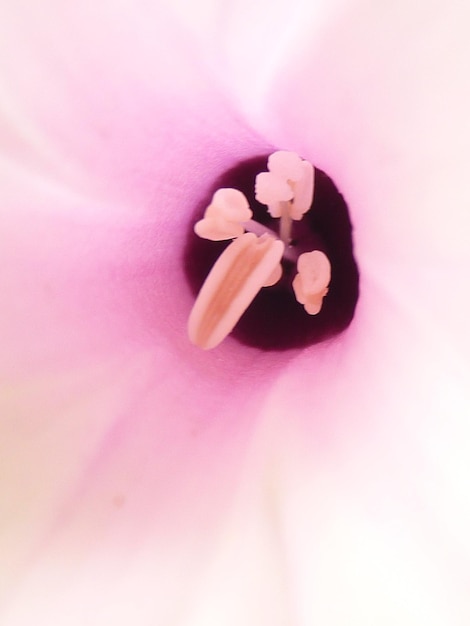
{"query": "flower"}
pixel 146 481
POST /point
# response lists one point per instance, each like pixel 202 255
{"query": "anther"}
pixel 311 283
pixel 286 189
pixel 228 216
pixel 224 217
pixel 245 266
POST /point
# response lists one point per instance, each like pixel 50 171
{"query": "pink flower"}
pixel 144 481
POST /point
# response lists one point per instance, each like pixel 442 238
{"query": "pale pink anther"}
pixel 286 165
pixel 248 264
pixel 287 189
pixel 224 216
pixel 311 283
pixel 303 191
pixel 272 190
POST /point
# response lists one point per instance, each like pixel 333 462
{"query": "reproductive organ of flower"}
pixel 253 260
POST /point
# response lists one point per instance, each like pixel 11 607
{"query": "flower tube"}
pixel 147 481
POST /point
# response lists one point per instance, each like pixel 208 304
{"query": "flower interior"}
pixel 271 257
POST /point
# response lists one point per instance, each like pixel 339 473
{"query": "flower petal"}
pixel 112 423
pixel 359 476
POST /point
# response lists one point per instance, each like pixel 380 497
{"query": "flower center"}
pixel 298 291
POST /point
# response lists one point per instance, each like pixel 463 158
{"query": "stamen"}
pixel 287 189
pixel 285 164
pixel 303 191
pixel 245 266
pixel 224 216
pixel 228 217
pixel 311 283
pixel 285 226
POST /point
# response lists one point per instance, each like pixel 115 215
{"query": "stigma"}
pixel 257 255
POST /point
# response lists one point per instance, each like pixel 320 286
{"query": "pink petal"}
pixel 119 440
pixel 120 461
